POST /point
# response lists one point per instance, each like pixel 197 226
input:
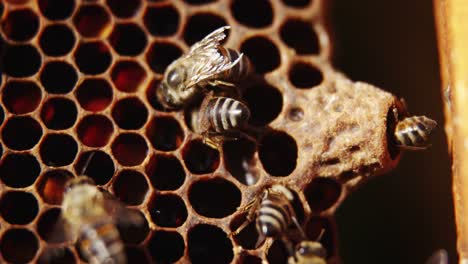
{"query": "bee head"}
pixel 171 93
pixel 167 98
pixel 81 180
pixel 311 248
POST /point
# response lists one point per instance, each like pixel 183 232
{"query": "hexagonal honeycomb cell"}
pixel 81 79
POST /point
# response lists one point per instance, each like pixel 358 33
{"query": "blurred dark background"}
pixel 404 216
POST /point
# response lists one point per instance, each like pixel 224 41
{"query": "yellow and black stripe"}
pixel 100 242
pixel 414 131
pixel 275 213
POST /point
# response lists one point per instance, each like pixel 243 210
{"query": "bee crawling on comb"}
pixel 219 118
pixel 91 214
pixel 273 213
pixel 206 63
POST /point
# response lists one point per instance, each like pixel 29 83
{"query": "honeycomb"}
pixel 81 79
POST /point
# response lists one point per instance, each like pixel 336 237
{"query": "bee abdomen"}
pixel 101 244
pixel 241 70
pixel 227 114
pixel 272 218
pixel 414 131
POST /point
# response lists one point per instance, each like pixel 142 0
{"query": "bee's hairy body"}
pixel 273 212
pixel 84 211
pixel 207 63
pixel 414 132
pixel 309 252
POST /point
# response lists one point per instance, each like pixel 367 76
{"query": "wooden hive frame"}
pixel 452 18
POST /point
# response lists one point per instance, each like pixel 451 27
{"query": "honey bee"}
pixel 439 257
pixel 273 212
pixel 206 63
pixel 90 214
pixel 219 116
pixel 309 252
pixel 85 212
pixel 413 132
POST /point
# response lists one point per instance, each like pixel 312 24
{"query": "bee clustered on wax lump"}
pixel 81 77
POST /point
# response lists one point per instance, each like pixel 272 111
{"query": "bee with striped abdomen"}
pixel 413 132
pixel 85 212
pixel 206 63
pixel 273 213
pixel 219 117
pixel 90 214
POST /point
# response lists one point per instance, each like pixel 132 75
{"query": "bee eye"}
pixel 311 249
pixel 174 77
pixel 304 250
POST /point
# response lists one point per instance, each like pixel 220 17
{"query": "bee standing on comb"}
pixel 206 63
pixel 273 213
pixel 91 216
pixel 219 118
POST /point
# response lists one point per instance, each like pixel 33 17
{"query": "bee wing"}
pixel 439 257
pixel 211 41
pixel 60 231
pixel 120 212
pixel 208 60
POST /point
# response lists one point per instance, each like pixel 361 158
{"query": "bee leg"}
pixel 251 209
pixel 289 246
pixel 404 104
pixel 261 238
pixel 211 141
pixel 221 83
pixel 395 113
pixel 413 148
pixel 248 137
pixel 219 138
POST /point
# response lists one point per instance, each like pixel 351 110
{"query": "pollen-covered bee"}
pixel 273 212
pixel 90 214
pixel 85 212
pixel 309 252
pixel 219 117
pixel 413 132
pixel 206 63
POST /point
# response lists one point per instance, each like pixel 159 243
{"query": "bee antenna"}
pixel 320 235
pixel 294 219
pixel 87 162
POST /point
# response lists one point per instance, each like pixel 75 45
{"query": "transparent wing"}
pixel 119 212
pixel 55 229
pixel 439 257
pixel 206 60
pixel 211 41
